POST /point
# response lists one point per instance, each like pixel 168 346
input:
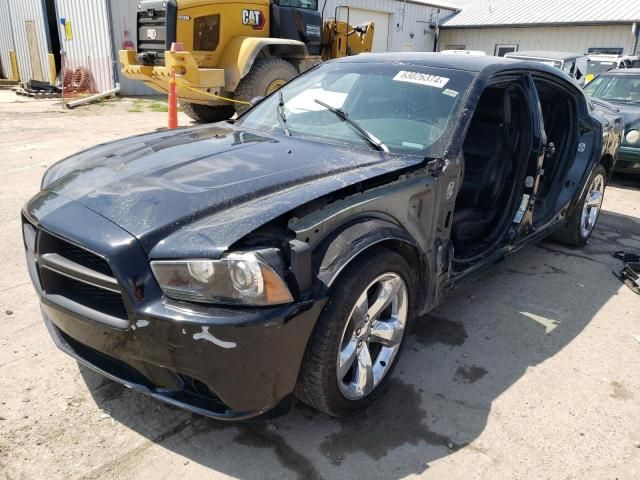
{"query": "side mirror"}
pixel 256 100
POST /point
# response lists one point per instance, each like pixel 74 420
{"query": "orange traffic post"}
pixel 173 102
pixel 173 91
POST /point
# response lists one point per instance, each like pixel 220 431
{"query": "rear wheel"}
pixel 583 220
pixel 265 77
pixel 359 335
pixel 207 113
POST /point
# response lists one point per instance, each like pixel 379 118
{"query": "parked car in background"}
pixel 621 87
pixel 464 52
pixel 573 64
pixel 599 63
pixel 223 268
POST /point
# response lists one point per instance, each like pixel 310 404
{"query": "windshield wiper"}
pixel 282 118
pixel 374 141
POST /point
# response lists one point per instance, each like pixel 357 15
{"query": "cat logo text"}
pixel 254 18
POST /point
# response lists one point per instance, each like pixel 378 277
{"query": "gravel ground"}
pixel 530 372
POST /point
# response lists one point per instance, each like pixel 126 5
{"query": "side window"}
pixel 605 50
pixel 569 67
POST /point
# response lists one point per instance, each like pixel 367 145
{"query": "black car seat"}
pixel 487 162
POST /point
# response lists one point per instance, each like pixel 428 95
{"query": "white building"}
pixel 409 25
pixel 581 26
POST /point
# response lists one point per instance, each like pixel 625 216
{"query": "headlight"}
pixel 632 136
pixel 237 279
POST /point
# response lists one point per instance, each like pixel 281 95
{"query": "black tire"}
pixel 207 113
pixel 318 379
pixel 572 233
pixel 265 75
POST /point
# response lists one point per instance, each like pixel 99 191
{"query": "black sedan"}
pixel 622 89
pixel 228 268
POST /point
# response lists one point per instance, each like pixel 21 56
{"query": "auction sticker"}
pixel 421 79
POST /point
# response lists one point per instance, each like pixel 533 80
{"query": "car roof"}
pixel 471 63
pixel 546 54
pixel 622 71
pixel 611 56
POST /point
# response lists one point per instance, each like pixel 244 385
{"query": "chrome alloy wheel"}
pixel 592 204
pixel 372 336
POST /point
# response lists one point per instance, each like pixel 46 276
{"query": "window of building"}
pixel 501 50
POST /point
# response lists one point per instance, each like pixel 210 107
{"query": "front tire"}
pixel 265 77
pixel 582 221
pixel 207 113
pixel 359 335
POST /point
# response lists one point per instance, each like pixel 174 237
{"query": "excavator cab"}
pixel 298 20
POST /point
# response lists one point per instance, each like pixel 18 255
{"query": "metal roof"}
pixel 485 13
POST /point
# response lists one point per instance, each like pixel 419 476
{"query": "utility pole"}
pixel 436 31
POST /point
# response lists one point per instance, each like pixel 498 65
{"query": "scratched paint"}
pixel 207 336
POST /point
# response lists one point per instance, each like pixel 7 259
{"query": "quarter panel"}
pixel 406 210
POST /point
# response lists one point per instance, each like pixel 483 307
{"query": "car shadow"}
pixel 457 361
pixel 622 180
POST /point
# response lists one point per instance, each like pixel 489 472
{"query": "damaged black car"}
pixel 230 268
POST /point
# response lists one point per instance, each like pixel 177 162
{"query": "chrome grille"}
pixel 623 163
pixel 70 251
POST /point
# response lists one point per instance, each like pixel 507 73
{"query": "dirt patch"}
pixel 620 392
pixel 469 374
pixel 436 329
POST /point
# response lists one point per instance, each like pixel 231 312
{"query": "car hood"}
pixel 196 191
pixel 631 114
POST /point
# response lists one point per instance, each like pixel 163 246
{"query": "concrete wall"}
pixel 569 39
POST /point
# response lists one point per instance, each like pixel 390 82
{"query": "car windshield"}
pixel 398 108
pixel 615 88
pixel 594 67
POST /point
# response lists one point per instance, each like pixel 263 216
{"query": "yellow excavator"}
pixel 234 51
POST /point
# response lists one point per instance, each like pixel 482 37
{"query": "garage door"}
pixel 380 20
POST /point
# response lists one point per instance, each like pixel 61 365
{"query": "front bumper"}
pixel 228 363
pixel 193 83
pixel 628 160
pixel 173 357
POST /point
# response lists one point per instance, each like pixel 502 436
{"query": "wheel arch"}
pixel 607 162
pixel 241 53
pixel 353 241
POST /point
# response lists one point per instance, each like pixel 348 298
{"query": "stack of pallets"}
pixel 37 90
